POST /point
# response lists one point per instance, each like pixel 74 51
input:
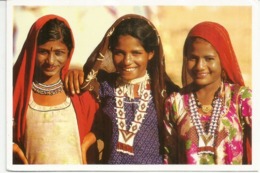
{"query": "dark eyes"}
pixel 209 58
pixel 195 58
pixel 118 52
pixel 136 53
pixel 42 52
pixel 59 52
pixel 122 53
pixel 191 57
pixel 56 52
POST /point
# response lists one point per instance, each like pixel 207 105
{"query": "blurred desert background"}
pixel 89 24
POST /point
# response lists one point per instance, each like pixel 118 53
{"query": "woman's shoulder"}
pixel 181 92
pixel 235 91
pixel 104 76
pixel 107 83
pixel 238 89
pixel 174 94
pixel 176 97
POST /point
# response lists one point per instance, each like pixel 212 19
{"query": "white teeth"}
pixel 129 69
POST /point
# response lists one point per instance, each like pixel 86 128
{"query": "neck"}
pixel 135 87
pixel 206 94
pixel 47 80
pixel 136 80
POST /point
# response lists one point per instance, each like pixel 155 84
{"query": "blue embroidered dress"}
pixel 146 142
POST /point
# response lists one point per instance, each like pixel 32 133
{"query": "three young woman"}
pixel 207 122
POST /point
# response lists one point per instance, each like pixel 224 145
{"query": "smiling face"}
pixel 203 63
pixel 51 58
pixel 130 58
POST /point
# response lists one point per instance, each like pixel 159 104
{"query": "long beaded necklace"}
pixel 206 139
pixel 47 89
pixel 126 137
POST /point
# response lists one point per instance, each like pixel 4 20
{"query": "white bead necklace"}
pixel 126 137
pixel 206 140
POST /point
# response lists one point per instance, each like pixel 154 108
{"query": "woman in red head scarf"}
pixel 50 127
pixel 209 121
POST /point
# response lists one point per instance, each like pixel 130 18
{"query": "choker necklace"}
pixel 128 86
pixel 206 108
pixel 47 89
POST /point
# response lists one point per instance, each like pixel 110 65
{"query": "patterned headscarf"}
pixel 218 37
pixel 161 84
pixel 101 58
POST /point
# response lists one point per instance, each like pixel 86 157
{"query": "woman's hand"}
pixel 88 140
pixel 73 79
pixel 18 153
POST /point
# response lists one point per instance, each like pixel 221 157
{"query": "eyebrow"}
pixel 194 54
pixel 52 49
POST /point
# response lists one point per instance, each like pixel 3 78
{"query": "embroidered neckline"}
pixel 126 137
pixel 33 105
pixel 206 139
pixel 44 89
pixel 129 85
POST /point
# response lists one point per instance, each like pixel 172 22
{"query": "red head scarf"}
pixel 218 37
pixel 23 72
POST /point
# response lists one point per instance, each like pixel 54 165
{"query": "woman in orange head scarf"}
pixel 49 127
pixel 209 121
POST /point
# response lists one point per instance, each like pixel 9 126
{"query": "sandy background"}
pixel 89 24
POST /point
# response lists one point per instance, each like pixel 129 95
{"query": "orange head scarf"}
pixel 23 72
pixel 218 37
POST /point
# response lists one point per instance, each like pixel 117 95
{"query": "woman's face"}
pixel 203 63
pixel 51 58
pixel 130 58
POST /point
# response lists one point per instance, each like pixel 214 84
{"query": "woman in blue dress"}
pixel 126 72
